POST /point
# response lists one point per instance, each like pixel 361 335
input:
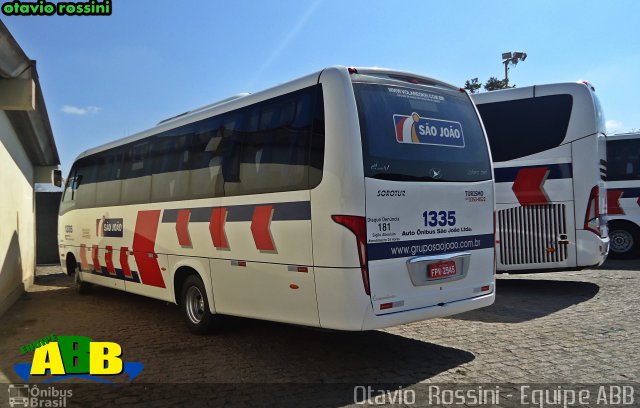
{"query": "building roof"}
pixel 32 127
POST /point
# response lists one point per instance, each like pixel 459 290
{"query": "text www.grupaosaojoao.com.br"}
pixel 445 246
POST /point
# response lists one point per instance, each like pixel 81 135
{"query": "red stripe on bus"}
pixel 83 257
pixel 96 260
pixel 613 202
pixel 528 186
pixel 216 228
pixel 108 259
pixel 144 242
pixel 182 228
pixel 124 262
pixel 260 228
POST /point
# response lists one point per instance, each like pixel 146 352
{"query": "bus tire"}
pixel 71 265
pixel 195 307
pixel 83 288
pixel 624 240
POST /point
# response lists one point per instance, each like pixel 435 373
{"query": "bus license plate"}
pixel 441 269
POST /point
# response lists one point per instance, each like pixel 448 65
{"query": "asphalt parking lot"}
pixel 566 327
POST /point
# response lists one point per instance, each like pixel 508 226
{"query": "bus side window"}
pixel 108 177
pixel 69 194
pixel 214 164
pixel 230 150
pixel 630 171
pixel 136 183
pixel 255 150
pixel 69 188
pixel 297 136
pixel 85 182
pixel 205 163
pixel 272 149
pixel 316 145
pixel 170 170
pixel 624 159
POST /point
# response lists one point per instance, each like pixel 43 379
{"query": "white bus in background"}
pixel 549 153
pixel 623 186
pixel 348 199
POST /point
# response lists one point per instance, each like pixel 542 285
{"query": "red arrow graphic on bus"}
pixel 182 228
pixel 144 242
pixel 528 186
pixel 216 228
pixel 108 260
pixel 95 258
pixel 613 202
pixel 124 262
pixel 260 228
pixel 83 258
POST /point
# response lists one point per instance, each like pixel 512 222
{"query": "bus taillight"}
pixel 588 85
pixel 592 217
pixel 358 225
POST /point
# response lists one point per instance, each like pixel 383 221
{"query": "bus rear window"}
pixel 522 127
pixel 420 134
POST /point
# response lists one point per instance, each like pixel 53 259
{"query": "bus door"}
pixel 145 264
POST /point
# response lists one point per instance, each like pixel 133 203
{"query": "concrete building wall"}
pixel 17 216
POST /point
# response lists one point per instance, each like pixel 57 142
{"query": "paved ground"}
pixel 571 327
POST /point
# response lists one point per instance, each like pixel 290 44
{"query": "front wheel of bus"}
pixel 195 307
pixel 624 240
pixel 73 269
pixel 83 288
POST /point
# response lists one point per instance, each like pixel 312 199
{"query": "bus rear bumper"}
pixel 373 321
pixel 350 309
pixel 592 250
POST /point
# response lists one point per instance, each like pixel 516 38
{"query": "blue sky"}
pixel 107 77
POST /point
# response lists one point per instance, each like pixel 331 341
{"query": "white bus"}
pixel 348 199
pixel 549 151
pixel 623 188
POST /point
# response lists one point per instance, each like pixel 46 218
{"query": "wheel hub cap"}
pixel 195 304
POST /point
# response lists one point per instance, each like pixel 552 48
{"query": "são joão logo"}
pixel 77 356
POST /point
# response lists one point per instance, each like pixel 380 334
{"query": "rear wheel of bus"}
pixel 624 238
pixel 195 307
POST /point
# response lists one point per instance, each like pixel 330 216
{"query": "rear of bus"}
pixel 549 150
pixel 589 151
pixel 413 228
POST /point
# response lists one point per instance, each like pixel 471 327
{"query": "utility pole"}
pixel 511 58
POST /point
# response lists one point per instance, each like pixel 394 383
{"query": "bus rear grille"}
pixel 532 234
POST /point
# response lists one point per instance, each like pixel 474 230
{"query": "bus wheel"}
pixel 71 265
pixel 624 239
pixel 83 288
pixel 195 307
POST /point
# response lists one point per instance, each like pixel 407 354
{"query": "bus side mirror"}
pixel 56 177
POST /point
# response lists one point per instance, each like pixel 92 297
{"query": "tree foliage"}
pixel 492 84
pixel 472 85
